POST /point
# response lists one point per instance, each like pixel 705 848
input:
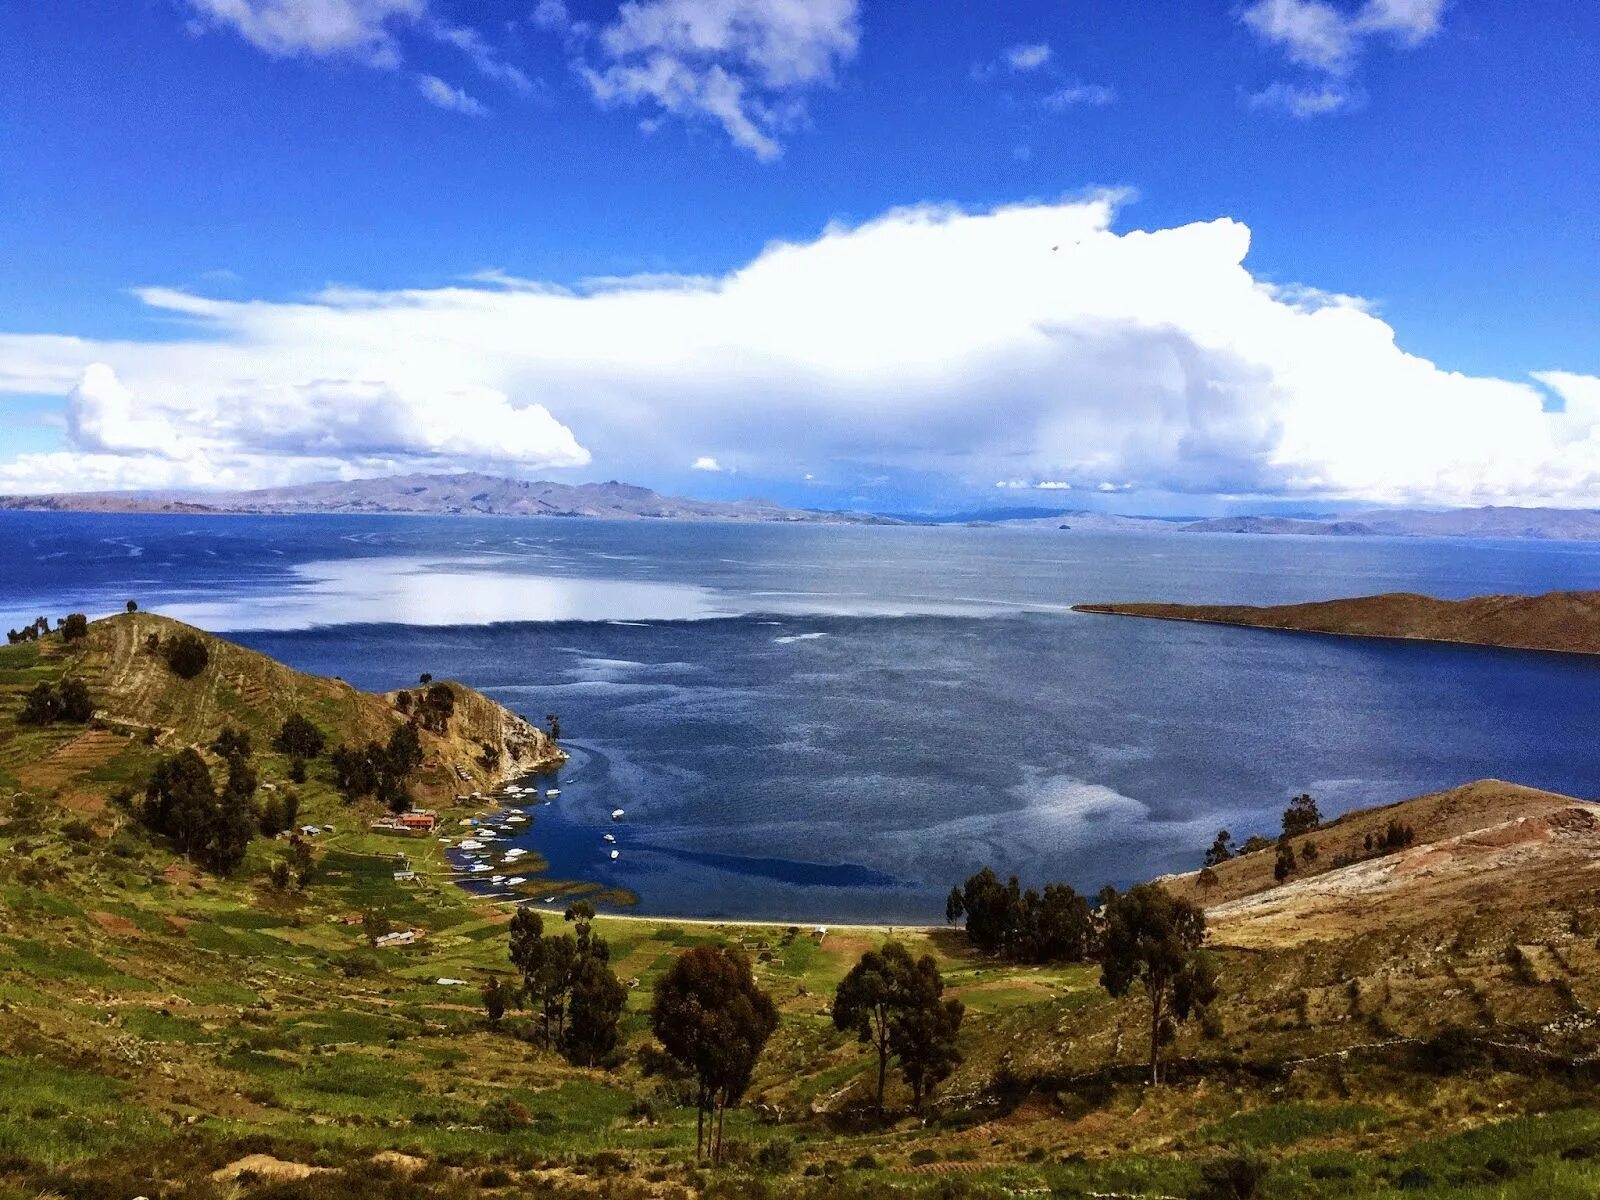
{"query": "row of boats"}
pixel 489 829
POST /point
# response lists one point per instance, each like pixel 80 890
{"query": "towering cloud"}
pixel 1030 342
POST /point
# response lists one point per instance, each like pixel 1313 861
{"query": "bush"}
pixel 1414 1179
pixel 75 627
pixel 1237 1177
pixel 777 1156
pixel 505 1115
pixel 360 965
pixel 186 655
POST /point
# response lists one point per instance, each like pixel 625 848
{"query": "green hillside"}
pixel 168 1032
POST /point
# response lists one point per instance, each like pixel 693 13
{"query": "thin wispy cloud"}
pixel 1028 56
pixel 1078 95
pixel 488 61
pixel 1330 41
pixel 745 65
pixel 361 29
pixel 453 99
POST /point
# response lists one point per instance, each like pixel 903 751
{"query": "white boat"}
pixel 517 820
pixel 610 837
pixel 616 854
pixel 617 814
pixel 476 867
pixel 516 879
pixel 553 792
pixel 497 879
pixel 471 844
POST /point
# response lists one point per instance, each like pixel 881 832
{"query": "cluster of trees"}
pixel 208 826
pixel 46 704
pixel 73 626
pixel 895 1004
pixel 432 707
pixel 567 982
pixel 1300 818
pixel 380 769
pixel 214 826
pixel 1023 926
pixel 29 633
pixel 1143 936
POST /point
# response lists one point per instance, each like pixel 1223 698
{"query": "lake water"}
pixel 818 722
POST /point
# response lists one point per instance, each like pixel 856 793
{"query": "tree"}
pixel 425 678
pixel 434 707
pixel 76 706
pixel 714 1020
pixel 866 1000
pixel 186 655
pixel 75 627
pixel 133 606
pixel 231 743
pixel 1221 849
pixel 551 982
pixel 375 925
pixel 954 906
pixel 299 738
pixel 923 1035
pixel 527 945
pixel 179 800
pixel 496 998
pixel 594 1007
pixel 1153 938
pixel 554 724
pixel 234 822
pixel 1285 865
pixel 1301 817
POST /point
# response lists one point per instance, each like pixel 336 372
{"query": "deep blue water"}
pixel 831 722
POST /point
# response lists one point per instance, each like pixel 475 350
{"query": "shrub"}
pixel 186 655
pixel 1236 1177
pixel 1414 1179
pixel 505 1115
pixel 75 627
pixel 777 1156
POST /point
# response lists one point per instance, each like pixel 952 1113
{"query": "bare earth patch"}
pixel 112 923
pixel 264 1166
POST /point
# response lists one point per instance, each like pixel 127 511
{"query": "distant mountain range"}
pixel 1555 524
pixel 472 494
pixel 467 494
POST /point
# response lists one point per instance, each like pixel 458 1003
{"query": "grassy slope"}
pixel 1565 621
pixel 156 1023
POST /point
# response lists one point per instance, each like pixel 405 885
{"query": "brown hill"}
pixel 1485 851
pixel 1564 621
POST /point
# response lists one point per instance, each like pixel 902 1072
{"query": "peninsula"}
pixel 1564 621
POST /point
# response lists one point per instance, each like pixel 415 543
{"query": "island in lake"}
pixel 1564 621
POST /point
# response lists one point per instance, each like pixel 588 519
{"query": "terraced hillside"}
pixel 137 698
pixel 1391 1023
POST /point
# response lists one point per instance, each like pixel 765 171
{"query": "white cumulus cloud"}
pixel 705 463
pixel 1032 342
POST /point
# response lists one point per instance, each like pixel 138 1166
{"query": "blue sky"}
pixel 1437 160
